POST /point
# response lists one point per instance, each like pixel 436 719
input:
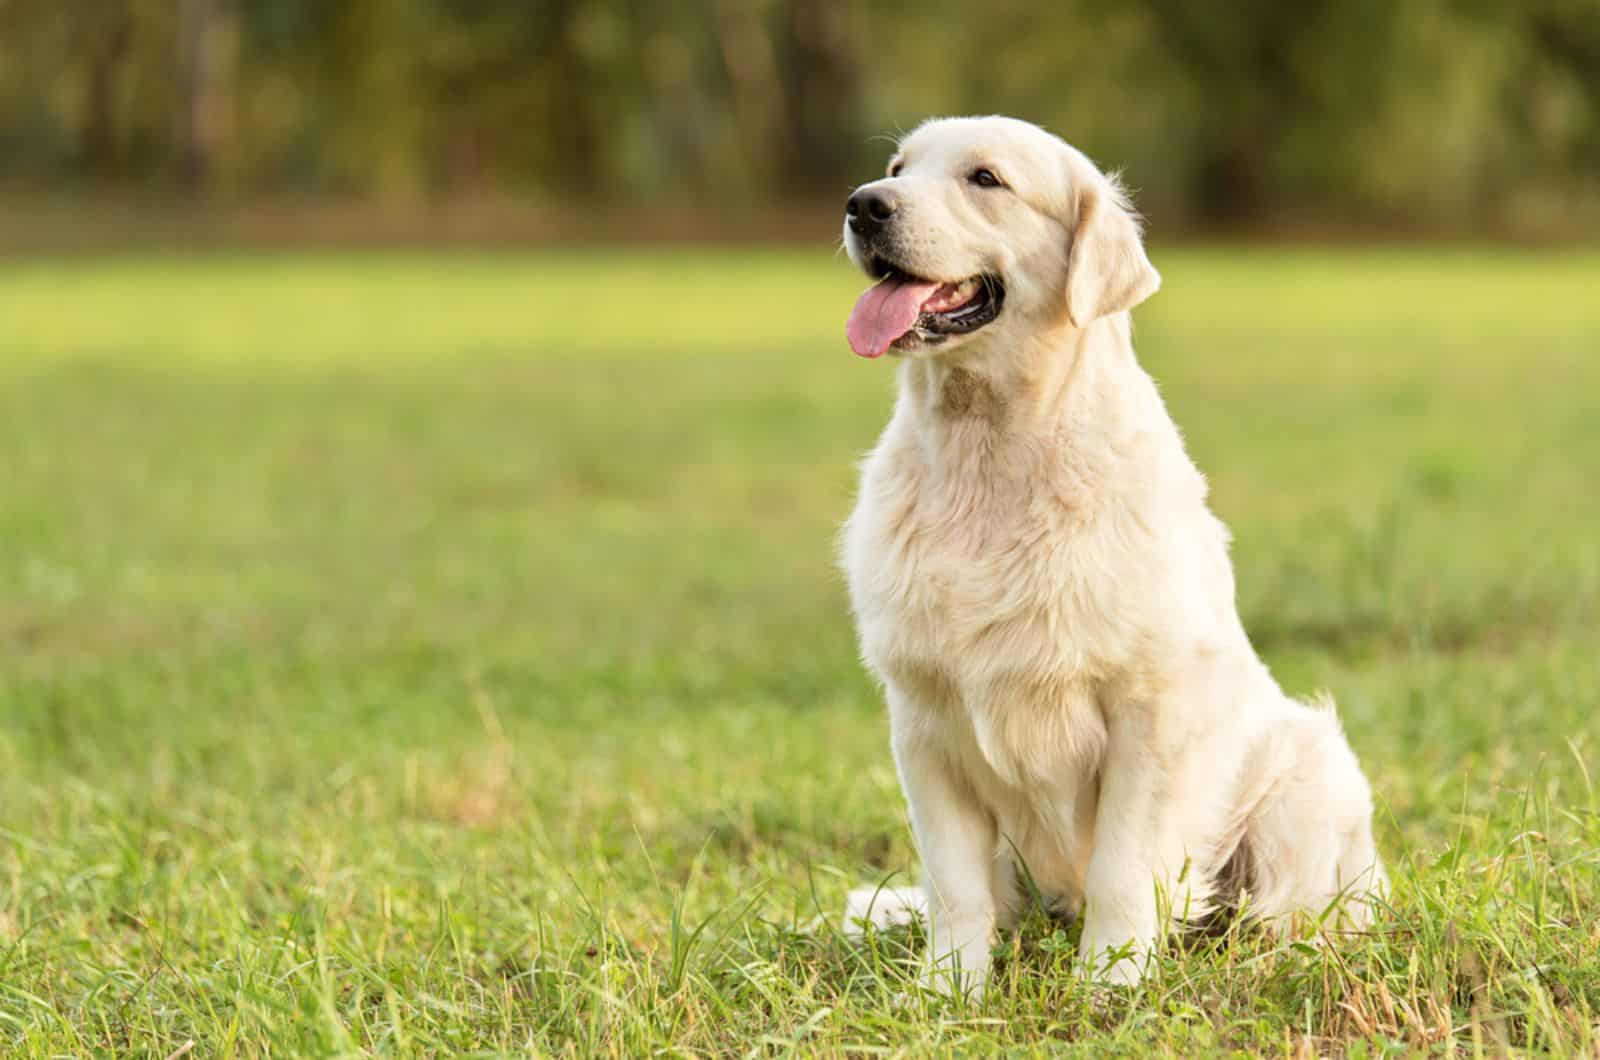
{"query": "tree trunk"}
pixel 821 82
pixel 208 37
pixel 753 83
pixel 98 143
pixel 575 98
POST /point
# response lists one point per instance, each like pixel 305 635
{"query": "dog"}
pixel 1046 598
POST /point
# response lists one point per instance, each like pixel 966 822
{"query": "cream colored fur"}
pixel 1049 603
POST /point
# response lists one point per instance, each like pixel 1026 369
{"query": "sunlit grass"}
pixel 433 655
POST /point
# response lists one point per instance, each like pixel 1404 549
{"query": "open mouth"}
pixel 903 310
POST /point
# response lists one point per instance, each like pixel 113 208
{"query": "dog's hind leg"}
pixel 1308 842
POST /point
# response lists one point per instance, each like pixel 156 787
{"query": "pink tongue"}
pixel 885 312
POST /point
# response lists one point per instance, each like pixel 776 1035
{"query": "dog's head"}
pixel 986 230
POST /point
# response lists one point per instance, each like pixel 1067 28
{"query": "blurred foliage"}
pixel 1428 113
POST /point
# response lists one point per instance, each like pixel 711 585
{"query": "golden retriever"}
pixel 1045 596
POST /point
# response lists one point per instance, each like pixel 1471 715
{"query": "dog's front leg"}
pixel 1153 803
pixel 957 839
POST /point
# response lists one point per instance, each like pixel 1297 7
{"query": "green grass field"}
pixel 438 655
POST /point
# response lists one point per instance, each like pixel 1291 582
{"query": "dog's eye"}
pixel 985 178
pixel 894 170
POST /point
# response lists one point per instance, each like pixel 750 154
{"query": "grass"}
pixel 426 655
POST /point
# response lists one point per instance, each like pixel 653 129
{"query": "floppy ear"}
pixel 1107 271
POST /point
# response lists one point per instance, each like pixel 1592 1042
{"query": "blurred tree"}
pixel 821 82
pixel 1436 112
pixel 103 47
pixel 1265 72
pixel 208 32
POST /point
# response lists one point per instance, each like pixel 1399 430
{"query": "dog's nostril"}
pixel 868 209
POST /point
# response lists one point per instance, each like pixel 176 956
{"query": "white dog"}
pixel 1044 594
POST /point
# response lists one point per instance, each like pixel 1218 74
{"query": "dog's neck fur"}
pixel 1075 394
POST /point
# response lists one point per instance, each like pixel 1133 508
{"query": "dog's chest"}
pixel 994 604
pixel 936 580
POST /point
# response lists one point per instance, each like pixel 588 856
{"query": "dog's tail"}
pixel 883 907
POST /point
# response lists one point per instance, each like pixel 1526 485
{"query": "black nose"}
pixel 869 209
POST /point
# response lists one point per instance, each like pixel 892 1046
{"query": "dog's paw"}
pixel 883 908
